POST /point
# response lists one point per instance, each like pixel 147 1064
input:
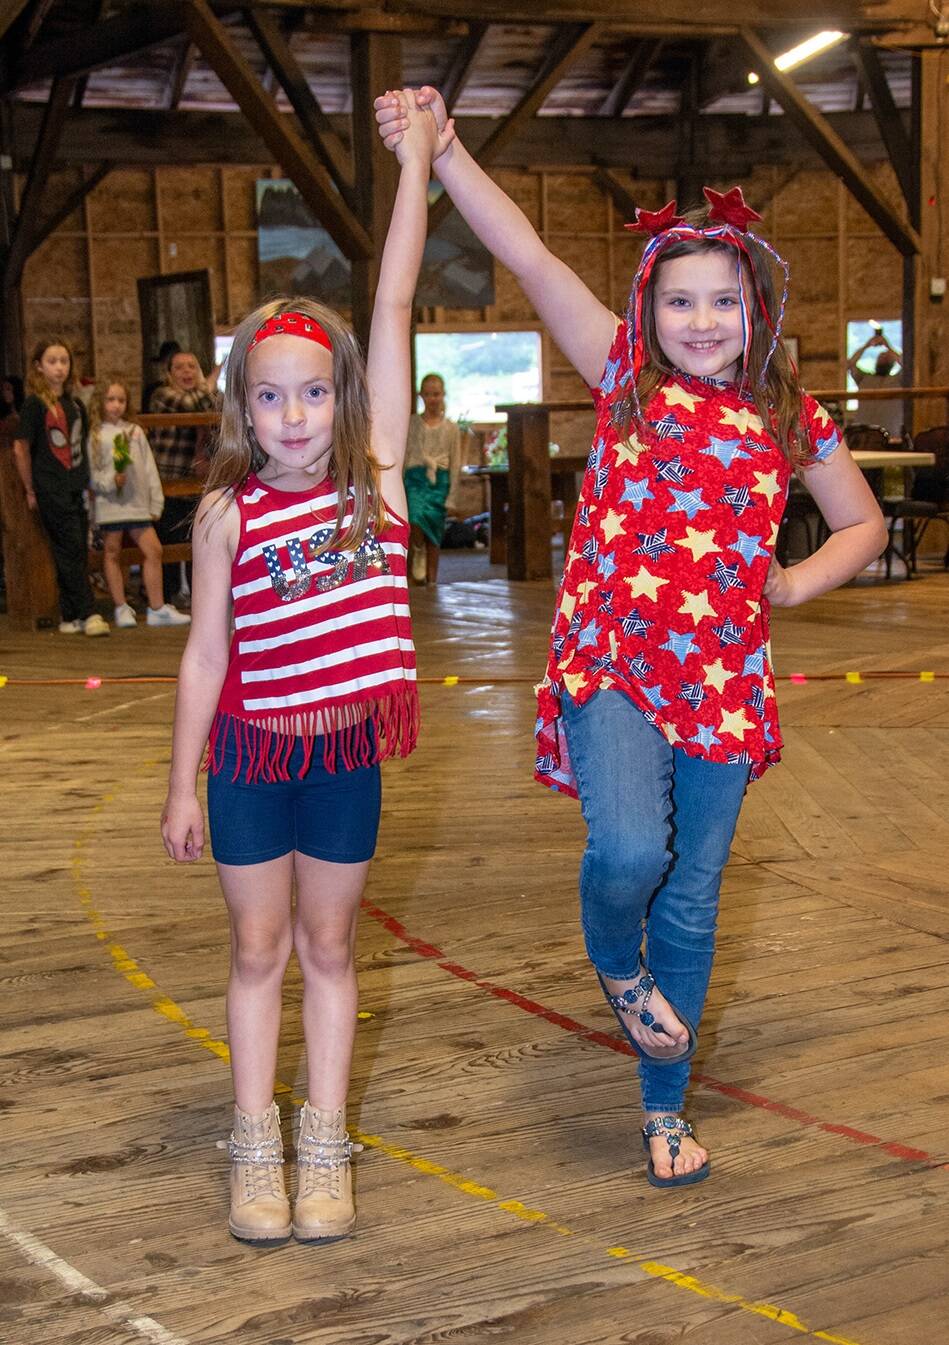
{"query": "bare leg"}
pixel 258 900
pixel 111 567
pixel 146 539
pixel 324 935
pixel 432 552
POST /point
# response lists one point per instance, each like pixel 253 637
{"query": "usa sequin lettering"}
pixel 369 555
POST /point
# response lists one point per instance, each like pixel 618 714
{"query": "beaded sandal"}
pixel 635 1001
pixel 672 1129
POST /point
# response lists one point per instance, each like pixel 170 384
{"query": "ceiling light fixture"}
pixel 813 46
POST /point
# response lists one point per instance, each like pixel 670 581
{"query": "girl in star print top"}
pixel 658 701
pixel 299 674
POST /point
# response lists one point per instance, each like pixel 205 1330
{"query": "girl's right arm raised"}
pixel 202 672
pixel 583 327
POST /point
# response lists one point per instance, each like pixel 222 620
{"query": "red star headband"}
pixel 291 324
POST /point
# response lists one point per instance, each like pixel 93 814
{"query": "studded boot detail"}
pixel 260 1211
pixel 324 1205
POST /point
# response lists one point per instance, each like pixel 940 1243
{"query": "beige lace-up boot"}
pixel 260 1211
pixel 324 1205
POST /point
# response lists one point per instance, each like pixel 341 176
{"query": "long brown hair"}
pixel 352 466
pixel 36 383
pixel 777 398
pixel 97 415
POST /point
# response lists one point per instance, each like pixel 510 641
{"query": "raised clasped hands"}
pixel 397 110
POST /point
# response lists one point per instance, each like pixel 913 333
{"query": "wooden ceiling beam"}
pixel 893 133
pixel 456 77
pixel 818 132
pixel 10 11
pixel 568 46
pixel 288 148
pixel 180 70
pixel 72 202
pixel 631 77
pixel 327 145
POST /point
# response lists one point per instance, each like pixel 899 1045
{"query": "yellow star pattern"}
pixel 614 647
pixel 572 557
pixel 735 722
pixel 676 396
pixel 773 539
pixel 642 583
pixel 754 606
pixel 568 603
pixel 574 681
pixel 742 419
pixel 629 450
pixel 767 485
pixel 585 588
pixel 672 734
pixel 612 525
pixel 821 414
pixel 716 674
pixel 696 605
pixel 699 543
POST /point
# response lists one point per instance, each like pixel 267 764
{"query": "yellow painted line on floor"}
pixel 127 967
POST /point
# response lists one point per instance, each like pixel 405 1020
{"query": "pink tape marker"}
pixel 93 683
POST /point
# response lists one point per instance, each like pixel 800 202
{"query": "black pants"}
pixel 174 527
pixel 67 528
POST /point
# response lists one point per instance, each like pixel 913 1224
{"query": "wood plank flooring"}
pixel 501 1192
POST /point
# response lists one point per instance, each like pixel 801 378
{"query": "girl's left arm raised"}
pixel 857 533
pixel 389 364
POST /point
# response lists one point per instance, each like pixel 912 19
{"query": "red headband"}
pixel 291 324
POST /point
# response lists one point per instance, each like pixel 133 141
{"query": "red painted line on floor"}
pixel 613 1043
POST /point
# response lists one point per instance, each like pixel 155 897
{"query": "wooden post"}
pixel 932 349
pixel 528 520
pixel 375 65
pixel 32 596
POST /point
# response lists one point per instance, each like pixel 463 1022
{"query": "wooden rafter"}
pixel 72 202
pixel 892 131
pixel 288 148
pixel 10 11
pixel 631 77
pixel 818 132
pixel 327 145
pixel 569 45
pixel 54 116
pixel 610 182
pixel 180 70
pixel 375 62
pixel 456 76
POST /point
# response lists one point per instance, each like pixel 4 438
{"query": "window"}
pixel 481 369
pixel 222 348
pixel 859 333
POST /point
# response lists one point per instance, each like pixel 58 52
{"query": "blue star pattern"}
pixel 748 547
pixel 606 564
pixel 693 692
pixel 602 663
pixel 589 635
pixel 682 645
pixel 634 624
pixel 726 576
pixel 608 381
pixel 575 622
pixel 655 696
pixel 639 667
pixel 606 601
pixel 726 450
pixel 583 514
pixel 728 633
pixel 756 700
pixel 635 492
pixel 654 545
pixel 826 445
pixel 546 764
pixel 739 759
pixel 591 550
pixel 738 497
pixel 599 485
pixel 754 663
pixel 594 457
pixel 672 469
pixel 690 502
pixel 668 428
pixel 705 736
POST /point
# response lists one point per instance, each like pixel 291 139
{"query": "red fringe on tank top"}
pixel 264 747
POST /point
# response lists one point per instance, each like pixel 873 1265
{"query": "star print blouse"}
pixel 661 596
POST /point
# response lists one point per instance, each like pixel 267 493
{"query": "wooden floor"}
pixel 501 1192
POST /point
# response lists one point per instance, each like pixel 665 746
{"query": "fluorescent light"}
pixel 813 46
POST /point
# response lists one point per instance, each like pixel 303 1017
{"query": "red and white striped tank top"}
pixel 322 646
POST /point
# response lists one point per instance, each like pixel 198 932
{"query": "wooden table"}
pixel 563 485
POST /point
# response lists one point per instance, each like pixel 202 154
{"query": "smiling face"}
pixel 185 371
pixel 54 365
pixel 291 404
pixel 697 308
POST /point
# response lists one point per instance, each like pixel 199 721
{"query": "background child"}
pixel 432 471
pixel 302 541
pixel 128 498
pixel 49 456
pixel 658 701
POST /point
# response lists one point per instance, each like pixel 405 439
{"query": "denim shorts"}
pixel 330 815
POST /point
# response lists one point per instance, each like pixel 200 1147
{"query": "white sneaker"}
pixel 125 617
pixel 166 615
pixel 94 625
pixel 70 628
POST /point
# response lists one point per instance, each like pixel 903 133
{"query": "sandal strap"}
pixel 629 1001
pixel 672 1129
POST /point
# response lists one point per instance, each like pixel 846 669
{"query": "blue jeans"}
pixel 659 827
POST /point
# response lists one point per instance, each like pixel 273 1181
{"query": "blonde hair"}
pixel 36 382
pixel 352 466
pixel 778 397
pixel 97 416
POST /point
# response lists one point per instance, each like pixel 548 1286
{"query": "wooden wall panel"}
pixel 524 189
pixel 874 286
pixel 239 197
pixel 190 200
pixel 242 278
pixel 575 204
pixel 195 253
pixel 124 202
pixel 806 203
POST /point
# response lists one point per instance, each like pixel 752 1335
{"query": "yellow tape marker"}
pixel 3 680
pixel 853 677
pixel 927 677
pixel 174 1013
pixel 450 682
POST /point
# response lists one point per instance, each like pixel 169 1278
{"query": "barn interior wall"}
pixel 81 283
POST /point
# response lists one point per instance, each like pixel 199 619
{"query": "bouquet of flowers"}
pixel 121 452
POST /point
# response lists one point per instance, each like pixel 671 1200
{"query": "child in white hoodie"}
pixel 128 499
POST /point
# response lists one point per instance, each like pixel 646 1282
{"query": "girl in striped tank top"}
pixel 299 675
